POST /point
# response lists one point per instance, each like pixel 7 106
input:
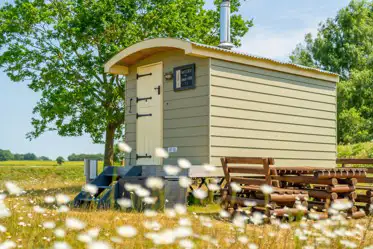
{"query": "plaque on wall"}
pixel 185 77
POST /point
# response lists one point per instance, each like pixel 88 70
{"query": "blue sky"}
pixel 278 27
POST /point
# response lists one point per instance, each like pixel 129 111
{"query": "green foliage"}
pixel 19 157
pixel 44 158
pixel 29 156
pixel 60 47
pixel 81 157
pixel 344 45
pixel 359 150
pixel 60 160
pixel 6 155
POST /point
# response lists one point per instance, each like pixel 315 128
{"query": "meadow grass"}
pixel 209 230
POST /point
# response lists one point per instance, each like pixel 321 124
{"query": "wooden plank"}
pixel 186 102
pixel 270 108
pixel 255 72
pixel 246 169
pixel 271 126
pixel 271 135
pixel 275 144
pixel 248 181
pixel 267 97
pixel 186 141
pixel 245 160
pixel 186 131
pixel 186 122
pixel 305 180
pixel 186 112
pixel 274 117
pixel 354 161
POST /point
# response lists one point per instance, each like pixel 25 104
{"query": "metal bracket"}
pixel 143 99
pixel 143 115
pixel 142 75
pixel 139 157
pixel 159 89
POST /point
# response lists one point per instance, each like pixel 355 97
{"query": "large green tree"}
pixel 344 45
pixel 59 48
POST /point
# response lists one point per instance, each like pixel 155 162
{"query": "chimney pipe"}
pixel 225 25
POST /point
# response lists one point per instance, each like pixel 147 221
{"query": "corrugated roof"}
pixel 251 56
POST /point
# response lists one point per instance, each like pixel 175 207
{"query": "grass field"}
pixel 36 224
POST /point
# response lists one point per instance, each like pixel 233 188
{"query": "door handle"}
pixel 159 89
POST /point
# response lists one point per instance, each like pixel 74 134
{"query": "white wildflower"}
pixel 60 233
pixel 253 246
pixel 116 239
pixel 160 152
pixel 74 224
pixel 2 229
pixel 209 168
pixel 243 239
pixel 266 189
pixel 213 187
pixel 123 147
pixel 62 199
pixel 127 231
pixel 185 222
pixel 341 205
pixel 170 213
pixel 184 163
pixel 250 203
pixel 8 244
pixel 90 188
pixel 131 187
pixel 182 232
pixel 348 244
pixel 13 189
pixel 152 225
pixel 257 218
pixel 49 199
pixel 99 245
pixel 49 225
pixel 39 210
pixel 85 238
pixel 184 181
pixel 150 200
pixel 142 192
pixel 150 213
pixel 239 221
pixel 61 245
pixel 154 183
pixel 4 211
pixel 124 203
pixel 63 209
pixel 186 243
pixel 180 209
pixel 224 214
pixel 171 170
pixel 200 193
pixel 93 232
pixel 235 187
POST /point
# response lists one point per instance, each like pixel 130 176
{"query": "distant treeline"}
pixel 7 155
pixel 81 157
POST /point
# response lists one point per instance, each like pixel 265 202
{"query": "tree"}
pixel 6 155
pixel 44 158
pixel 30 157
pixel 60 48
pixel 60 160
pixel 344 45
pixel 19 157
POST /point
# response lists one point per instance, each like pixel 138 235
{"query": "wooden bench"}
pixel 251 173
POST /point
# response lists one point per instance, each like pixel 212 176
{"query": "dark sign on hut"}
pixel 184 77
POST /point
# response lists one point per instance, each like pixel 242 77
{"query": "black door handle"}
pixel 159 89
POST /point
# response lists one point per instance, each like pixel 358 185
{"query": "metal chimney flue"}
pixel 225 25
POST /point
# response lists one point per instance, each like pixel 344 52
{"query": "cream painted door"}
pixel 149 122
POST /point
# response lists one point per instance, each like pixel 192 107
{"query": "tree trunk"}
pixel 109 145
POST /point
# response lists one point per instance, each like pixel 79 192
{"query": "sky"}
pixel 278 27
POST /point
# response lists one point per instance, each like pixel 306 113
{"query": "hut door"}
pixel 149 117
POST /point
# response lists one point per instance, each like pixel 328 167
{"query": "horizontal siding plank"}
pixel 187 102
pixel 130 136
pixel 186 141
pixel 270 126
pixel 274 117
pixel 187 112
pixel 291 162
pixel 272 82
pixel 269 98
pixel 259 72
pixel 270 135
pixel 192 160
pixel 186 122
pixel 273 144
pixel 272 108
pixel 187 131
pixel 185 151
pixel 196 92
pixel 277 154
